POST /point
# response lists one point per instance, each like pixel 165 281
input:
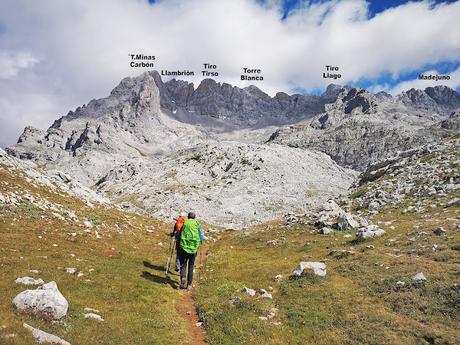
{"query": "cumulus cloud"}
pixel 78 50
pixel 453 82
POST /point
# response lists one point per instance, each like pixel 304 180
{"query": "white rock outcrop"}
pixel 318 268
pixel 42 337
pixel 46 300
pixel 93 316
pixel 29 281
pixel 369 231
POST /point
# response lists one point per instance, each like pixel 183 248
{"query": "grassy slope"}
pixel 128 288
pixel 356 303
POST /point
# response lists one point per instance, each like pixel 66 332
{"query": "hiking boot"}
pixel 189 287
pixel 183 285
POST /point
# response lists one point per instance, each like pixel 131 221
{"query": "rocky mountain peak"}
pixel 439 99
pixel 352 101
pixel 444 95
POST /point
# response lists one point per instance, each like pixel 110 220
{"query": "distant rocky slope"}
pixel 360 128
pixel 428 172
pixel 55 180
pixel 166 146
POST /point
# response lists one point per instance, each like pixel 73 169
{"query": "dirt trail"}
pixel 187 310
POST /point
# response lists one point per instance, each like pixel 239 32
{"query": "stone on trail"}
pixel 319 268
pixel 93 316
pixel 453 202
pixel 29 281
pixel 272 243
pixel 46 300
pixel 42 337
pixel 369 232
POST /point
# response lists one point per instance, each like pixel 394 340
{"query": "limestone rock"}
pixel 93 316
pixel 369 231
pixel 346 222
pixel 319 268
pixel 439 231
pixel 325 230
pixel 29 281
pixel 250 292
pixel 46 300
pixel 42 337
pixel 265 294
pixel 419 279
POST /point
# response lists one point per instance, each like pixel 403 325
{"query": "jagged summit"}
pixel 248 107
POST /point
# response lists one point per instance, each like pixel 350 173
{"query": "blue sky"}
pixel 375 6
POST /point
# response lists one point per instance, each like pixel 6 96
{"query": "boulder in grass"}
pixel 325 230
pixel 318 268
pixel 47 301
pixel 346 222
pixel 93 316
pixel 250 292
pixel 369 231
pixel 419 279
pixel 29 281
pixel 439 231
pixel 42 337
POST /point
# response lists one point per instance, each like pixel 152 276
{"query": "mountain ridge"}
pixel 132 145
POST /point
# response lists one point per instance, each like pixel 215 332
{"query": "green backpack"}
pixel 189 236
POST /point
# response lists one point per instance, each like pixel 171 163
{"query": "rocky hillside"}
pixel 427 173
pixel 127 147
pixel 360 129
pixel 230 184
pixel 165 146
pixel 379 268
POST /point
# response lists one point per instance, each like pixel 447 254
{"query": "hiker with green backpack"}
pixel 190 240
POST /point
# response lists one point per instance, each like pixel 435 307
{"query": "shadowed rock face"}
pixel 439 99
pixel 242 107
pixel 165 146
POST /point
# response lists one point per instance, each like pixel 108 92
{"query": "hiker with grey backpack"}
pixel 190 241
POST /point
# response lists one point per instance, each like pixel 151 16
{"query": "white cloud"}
pixel 453 82
pixel 82 46
pixel 12 63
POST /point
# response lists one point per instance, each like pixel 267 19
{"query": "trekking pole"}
pixel 199 272
pixel 170 253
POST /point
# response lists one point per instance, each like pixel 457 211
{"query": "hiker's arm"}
pixel 200 232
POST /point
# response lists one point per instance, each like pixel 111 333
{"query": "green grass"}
pixel 128 289
pixel 356 303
